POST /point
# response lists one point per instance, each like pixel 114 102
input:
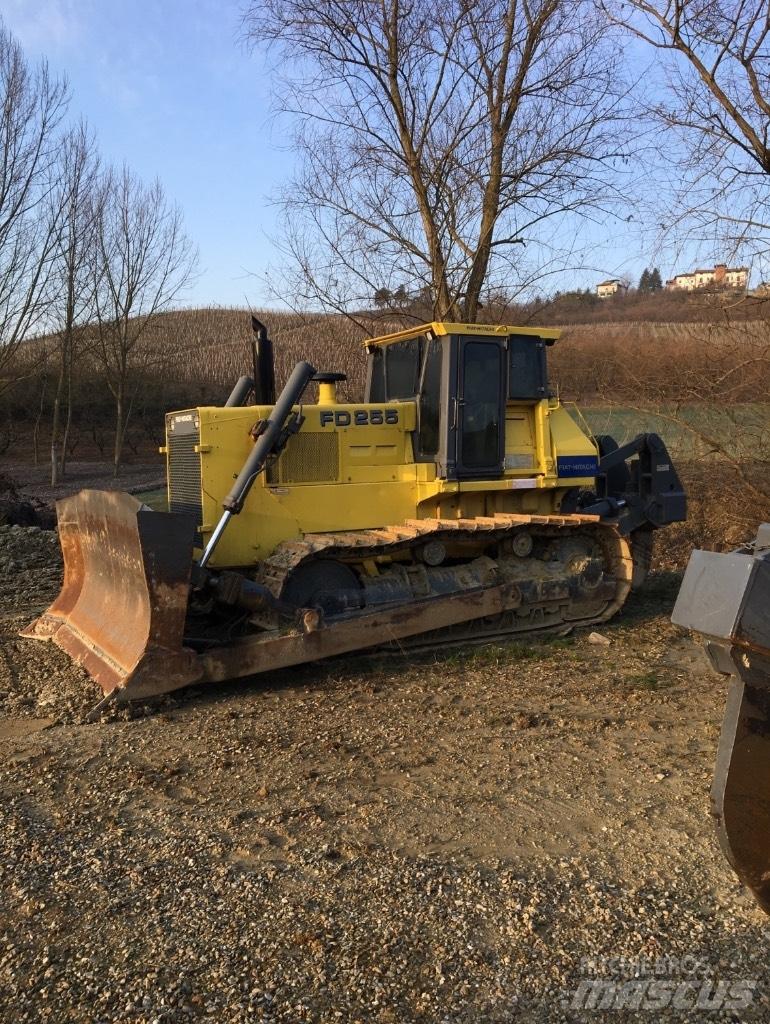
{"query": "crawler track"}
pixel 555 598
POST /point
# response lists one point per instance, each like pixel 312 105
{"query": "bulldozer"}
pixel 460 502
pixel 726 597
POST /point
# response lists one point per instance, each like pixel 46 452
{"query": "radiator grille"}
pixel 307 459
pixel 184 474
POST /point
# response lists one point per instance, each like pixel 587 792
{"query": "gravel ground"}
pixel 460 838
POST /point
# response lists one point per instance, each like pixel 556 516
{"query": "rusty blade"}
pixel 740 794
pixel 121 609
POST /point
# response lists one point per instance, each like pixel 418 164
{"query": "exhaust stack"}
pixel 263 359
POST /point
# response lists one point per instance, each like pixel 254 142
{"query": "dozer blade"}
pixel 121 609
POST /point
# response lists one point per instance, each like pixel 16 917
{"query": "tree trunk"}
pixel 118 452
pixel 68 422
pixel 54 438
pixel 38 418
pixel 56 417
pixel 444 308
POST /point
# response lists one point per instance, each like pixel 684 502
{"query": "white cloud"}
pixel 47 25
pixel 117 85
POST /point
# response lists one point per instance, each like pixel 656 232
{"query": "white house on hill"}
pixel 722 276
pixel 608 288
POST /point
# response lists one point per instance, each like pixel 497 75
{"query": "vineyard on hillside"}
pixel 591 361
pixel 211 347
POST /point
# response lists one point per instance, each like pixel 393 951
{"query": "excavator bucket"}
pixel 740 795
pixel 121 610
pixel 727 598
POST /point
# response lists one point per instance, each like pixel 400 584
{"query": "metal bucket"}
pixel 726 596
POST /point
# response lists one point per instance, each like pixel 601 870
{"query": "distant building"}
pixel 608 288
pixel 722 276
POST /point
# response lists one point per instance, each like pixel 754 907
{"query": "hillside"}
pixel 211 346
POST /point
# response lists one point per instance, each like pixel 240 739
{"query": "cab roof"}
pixel 548 334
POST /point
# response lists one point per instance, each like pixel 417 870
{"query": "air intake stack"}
pixel 327 387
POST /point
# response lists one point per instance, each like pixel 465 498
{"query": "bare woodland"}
pixel 715 112
pixel 89 255
pixel 32 110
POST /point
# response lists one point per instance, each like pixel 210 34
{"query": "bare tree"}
pixel 716 55
pixel 76 196
pixel 144 261
pixel 440 142
pixel 32 104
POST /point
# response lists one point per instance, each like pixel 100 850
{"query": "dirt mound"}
pixel 30 566
pixel 18 509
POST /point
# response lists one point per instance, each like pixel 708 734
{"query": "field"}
pixel 687 429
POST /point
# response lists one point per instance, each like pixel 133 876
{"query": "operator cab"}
pixel 461 376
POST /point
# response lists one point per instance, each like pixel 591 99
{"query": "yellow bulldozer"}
pixel 459 502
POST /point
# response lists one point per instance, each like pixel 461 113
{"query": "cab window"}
pixel 526 367
pixel 402 369
pixel 481 407
pixel 429 400
pixel 376 390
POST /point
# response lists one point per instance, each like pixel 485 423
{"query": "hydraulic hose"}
pixel 300 377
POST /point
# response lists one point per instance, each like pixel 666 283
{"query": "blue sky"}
pixel 169 88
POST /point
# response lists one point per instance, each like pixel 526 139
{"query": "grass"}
pixel 649 681
pixel 736 426
pixel 157 500
pixel 501 654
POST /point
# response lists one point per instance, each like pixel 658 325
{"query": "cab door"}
pixel 479 408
